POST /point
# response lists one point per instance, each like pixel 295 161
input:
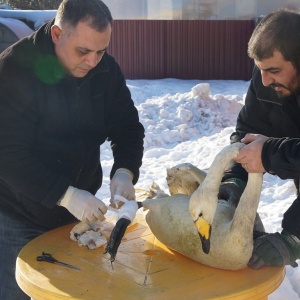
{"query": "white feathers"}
pixel 88 235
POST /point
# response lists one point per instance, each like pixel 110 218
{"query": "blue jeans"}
pixel 15 233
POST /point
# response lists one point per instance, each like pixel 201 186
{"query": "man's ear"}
pixel 55 33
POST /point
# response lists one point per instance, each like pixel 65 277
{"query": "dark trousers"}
pixel 15 233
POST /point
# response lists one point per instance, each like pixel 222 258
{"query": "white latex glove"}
pixel 121 184
pixel 83 205
pixel 128 210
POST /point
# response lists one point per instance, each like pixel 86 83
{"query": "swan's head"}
pixel 202 212
pixel 204 231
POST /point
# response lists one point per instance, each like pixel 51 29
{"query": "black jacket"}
pixel 265 113
pixel 52 126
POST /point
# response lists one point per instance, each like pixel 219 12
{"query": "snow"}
pixel 191 121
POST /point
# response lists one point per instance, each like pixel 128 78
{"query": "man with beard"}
pixel 269 123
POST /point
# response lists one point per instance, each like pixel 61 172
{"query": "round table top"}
pixel 144 269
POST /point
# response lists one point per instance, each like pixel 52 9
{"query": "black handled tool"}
pixel 49 258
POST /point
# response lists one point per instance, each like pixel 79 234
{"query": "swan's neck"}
pixel 245 212
pixel 216 171
pixel 205 198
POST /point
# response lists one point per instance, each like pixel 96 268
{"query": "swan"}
pixel 200 226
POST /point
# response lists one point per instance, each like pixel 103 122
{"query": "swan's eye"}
pixel 199 217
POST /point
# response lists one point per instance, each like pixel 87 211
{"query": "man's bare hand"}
pixel 250 155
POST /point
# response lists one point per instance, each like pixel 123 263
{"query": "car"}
pixel 12 30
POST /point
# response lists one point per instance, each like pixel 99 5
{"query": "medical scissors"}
pixel 49 258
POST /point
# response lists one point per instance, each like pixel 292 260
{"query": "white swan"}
pixel 228 230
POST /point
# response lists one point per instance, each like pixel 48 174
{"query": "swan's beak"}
pixel 204 231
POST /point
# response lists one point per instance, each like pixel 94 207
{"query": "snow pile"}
pixel 177 118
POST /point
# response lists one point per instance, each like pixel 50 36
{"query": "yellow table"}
pixel 144 269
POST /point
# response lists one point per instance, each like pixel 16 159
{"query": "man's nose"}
pixel 266 78
pixel 92 59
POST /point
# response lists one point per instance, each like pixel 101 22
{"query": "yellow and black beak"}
pixel 204 231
